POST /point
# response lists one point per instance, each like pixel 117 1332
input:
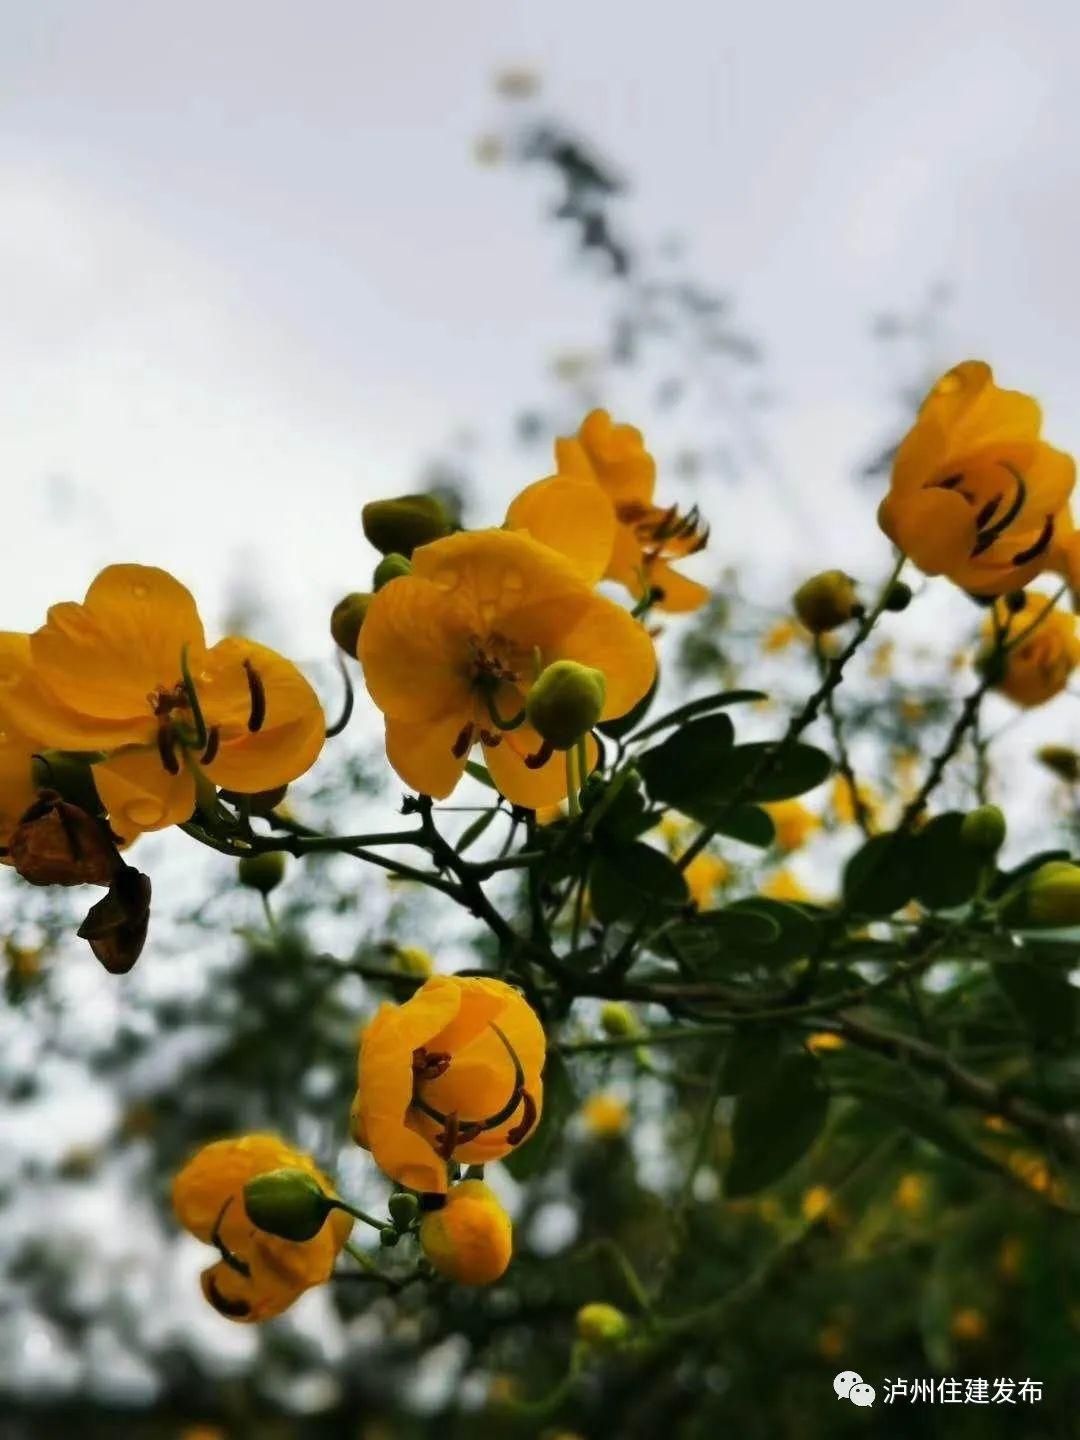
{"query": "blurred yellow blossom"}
pixel 606 1116
pixel 794 823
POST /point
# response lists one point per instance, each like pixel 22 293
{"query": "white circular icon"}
pixel 844 1381
pixel 862 1394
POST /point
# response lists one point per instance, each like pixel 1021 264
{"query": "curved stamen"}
pixel 994 532
pixel 1045 536
pixel 463 744
pixel 233 1261
pixel 469 1129
pixel 257 692
pixel 541 757
pixel 188 686
pixel 235 1309
pixel 213 743
pixel 166 744
pixel 497 720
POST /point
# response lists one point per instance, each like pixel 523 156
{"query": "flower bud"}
pixel 411 960
pixel 566 702
pixel 983 830
pixel 827 600
pixel 617 1019
pixel 469 1240
pixel 259 802
pixel 1062 760
pixel 346 620
pixel 390 567
pixel 403 1209
pixel 401 525
pixel 1050 898
pixel 287 1203
pixel 388 1239
pixel 899 597
pixel 262 872
pixel 601 1325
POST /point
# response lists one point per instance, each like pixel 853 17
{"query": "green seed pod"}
pixel 390 567
pixel 827 600
pixel 70 776
pixel 388 1239
pixel 983 830
pixel 618 1019
pixel 601 1325
pixel 566 702
pixel 400 525
pixel 403 1209
pixel 346 620
pixel 287 1203
pixel 262 872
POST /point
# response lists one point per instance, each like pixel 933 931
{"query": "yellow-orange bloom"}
pixel 451 651
pixel 705 877
pixel 258 1275
pixel 1038 667
pixel 107 676
pixel 794 823
pixel 454 1073
pixel 784 884
pixel 606 1116
pixel 598 509
pixel 843 801
pixel 976 494
pixel 470 1238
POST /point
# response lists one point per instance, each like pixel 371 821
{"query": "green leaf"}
pixel 775 1123
pixel 1042 997
pixel 927 1119
pixel 795 929
pixel 560 1102
pixel 701 706
pixel 800 768
pixel 686 763
pixel 479 772
pixel 739 822
pixel 946 871
pixel 753 1054
pixel 629 881
pixel 624 724
pixel 879 879
pixel 710 935
pixel 474 830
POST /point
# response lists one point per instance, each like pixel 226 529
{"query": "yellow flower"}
pixel 606 1116
pixel 824 1042
pixel 975 493
pixel 816 1202
pixel 793 821
pixel 258 1275
pixel 451 651
pixel 910 1193
pixel 469 1239
pixel 782 634
pixel 967 1324
pixel 452 1073
pixel 844 803
pixel 1038 667
pixel 613 529
pixel 107 676
pixel 705 876
pixel 784 885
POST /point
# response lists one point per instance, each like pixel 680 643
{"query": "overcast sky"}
pixel 251 275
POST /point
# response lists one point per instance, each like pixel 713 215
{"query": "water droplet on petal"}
pixel 144 813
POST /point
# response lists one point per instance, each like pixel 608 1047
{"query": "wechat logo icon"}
pixel 849 1385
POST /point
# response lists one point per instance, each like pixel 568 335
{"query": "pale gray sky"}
pixel 250 274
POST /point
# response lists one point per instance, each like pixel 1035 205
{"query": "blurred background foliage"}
pixel 873 1225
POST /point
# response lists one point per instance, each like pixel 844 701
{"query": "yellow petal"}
pixel 619 459
pixel 104 657
pixel 414 647
pixel 680 594
pixel 422 753
pixel 571 515
pixel 608 638
pixel 17 788
pixel 140 794
pixel 936 528
pixel 28 706
pixel 521 784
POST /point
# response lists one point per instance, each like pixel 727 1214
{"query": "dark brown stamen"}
pixel 1045 536
pixel 213 742
pixel 463 744
pixel 166 744
pixel 995 531
pixel 233 1261
pixel 986 514
pixel 517 1133
pixel 949 483
pixel 257 691
pixel 429 1065
pixel 447 1140
pixel 490 739
pixel 236 1309
pixel 542 756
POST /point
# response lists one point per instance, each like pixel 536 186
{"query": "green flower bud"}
pixel 389 568
pixel 566 702
pixel 1062 760
pixel 983 830
pixel 411 960
pixel 399 526
pixel 601 1325
pixel 262 872
pixel 388 1239
pixel 1051 897
pixel 403 1208
pixel 70 776
pixel 827 600
pixel 899 597
pixel 618 1019
pixel 287 1203
pixel 346 618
